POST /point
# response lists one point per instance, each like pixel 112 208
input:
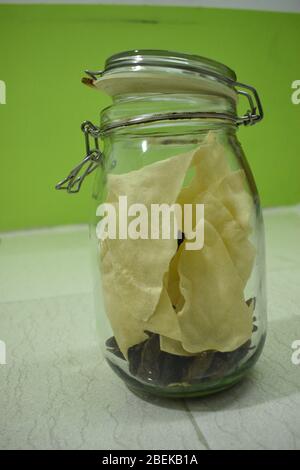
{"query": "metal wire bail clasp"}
pixel 72 183
pixel 255 112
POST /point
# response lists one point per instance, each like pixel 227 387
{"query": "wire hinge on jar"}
pixel 72 183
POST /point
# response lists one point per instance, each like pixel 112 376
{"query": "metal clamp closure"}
pixel 72 183
pixel 255 113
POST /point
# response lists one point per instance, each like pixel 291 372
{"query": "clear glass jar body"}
pixel 148 365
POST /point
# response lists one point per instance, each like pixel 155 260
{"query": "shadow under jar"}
pixel 177 230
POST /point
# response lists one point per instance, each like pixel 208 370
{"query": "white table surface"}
pixel 57 392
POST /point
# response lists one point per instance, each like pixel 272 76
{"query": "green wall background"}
pixel 44 50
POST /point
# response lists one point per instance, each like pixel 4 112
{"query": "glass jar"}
pixel 177 230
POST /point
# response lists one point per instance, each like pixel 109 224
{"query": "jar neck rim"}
pixel 130 110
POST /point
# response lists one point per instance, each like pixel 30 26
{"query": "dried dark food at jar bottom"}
pixel 148 363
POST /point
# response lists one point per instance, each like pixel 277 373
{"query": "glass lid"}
pixel 162 58
pixel 146 72
pixel 159 71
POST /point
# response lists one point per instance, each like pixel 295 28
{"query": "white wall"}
pixel 271 5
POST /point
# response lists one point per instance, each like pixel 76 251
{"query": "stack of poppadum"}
pixel 194 299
